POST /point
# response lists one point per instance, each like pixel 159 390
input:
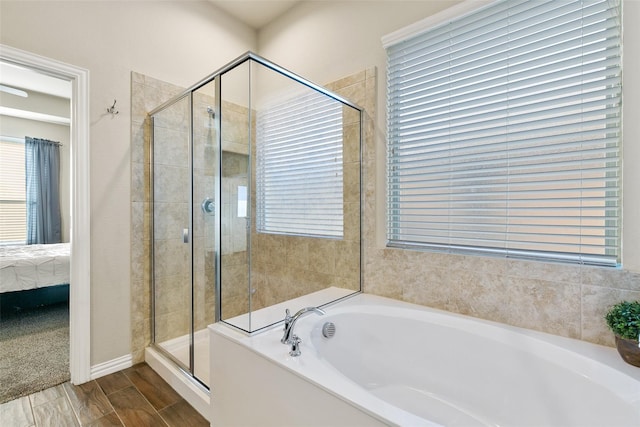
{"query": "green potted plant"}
pixel 624 321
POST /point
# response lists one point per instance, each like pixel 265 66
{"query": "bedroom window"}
pixel 504 132
pixel 13 223
pixel 299 167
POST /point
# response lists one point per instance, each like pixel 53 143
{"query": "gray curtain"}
pixel 42 166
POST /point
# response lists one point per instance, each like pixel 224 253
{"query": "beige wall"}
pixel 556 298
pixel 631 133
pixel 179 42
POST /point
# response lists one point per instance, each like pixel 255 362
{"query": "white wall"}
pixel 325 40
pixel 178 42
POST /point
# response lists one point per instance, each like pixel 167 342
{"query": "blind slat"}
pixel 13 210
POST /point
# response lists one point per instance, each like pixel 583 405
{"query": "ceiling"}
pixel 29 80
pixel 255 13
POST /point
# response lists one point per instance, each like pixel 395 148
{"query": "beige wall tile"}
pixel 596 302
pixel 346 81
pixel 611 278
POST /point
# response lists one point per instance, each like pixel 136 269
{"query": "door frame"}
pixel 80 277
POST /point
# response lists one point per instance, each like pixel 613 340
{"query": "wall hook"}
pixel 112 109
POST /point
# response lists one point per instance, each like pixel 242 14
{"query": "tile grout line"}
pixel 113 409
pixel 162 418
pixel 111 404
pixel 109 400
pixel 146 400
pixel 33 415
pixel 73 409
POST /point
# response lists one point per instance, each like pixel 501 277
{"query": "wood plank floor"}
pixel 134 397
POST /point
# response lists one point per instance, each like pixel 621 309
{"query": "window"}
pixel 242 201
pixel 505 134
pixel 299 167
pixel 13 215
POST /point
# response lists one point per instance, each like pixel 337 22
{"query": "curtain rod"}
pixel 21 140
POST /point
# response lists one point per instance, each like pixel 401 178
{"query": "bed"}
pixel 33 266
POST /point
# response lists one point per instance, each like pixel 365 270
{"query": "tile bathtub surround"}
pixel 564 300
pixel 134 397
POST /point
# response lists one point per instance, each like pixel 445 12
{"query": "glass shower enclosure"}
pixel 255 205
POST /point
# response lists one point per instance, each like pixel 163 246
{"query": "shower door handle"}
pixel 185 235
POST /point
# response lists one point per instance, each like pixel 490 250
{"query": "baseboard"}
pixel 111 366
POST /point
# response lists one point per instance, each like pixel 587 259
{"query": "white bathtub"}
pixel 392 363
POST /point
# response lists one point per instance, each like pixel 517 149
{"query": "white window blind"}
pixel 299 167
pixel 13 214
pixel 504 133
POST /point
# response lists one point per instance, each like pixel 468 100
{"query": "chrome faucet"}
pixel 289 322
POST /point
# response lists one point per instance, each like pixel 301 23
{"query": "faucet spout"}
pixel 290 322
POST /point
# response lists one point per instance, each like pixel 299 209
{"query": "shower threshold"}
pixel 179 349
pixel 187 387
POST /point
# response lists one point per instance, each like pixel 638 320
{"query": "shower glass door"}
pixel 205 172
pixel 171 238
pixel 183 169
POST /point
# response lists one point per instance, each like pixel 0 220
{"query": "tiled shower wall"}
pixel 172 275
pixel 171 215
pixel 283 267
pixel 146 94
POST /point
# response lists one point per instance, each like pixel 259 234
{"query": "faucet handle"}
pixel 295 346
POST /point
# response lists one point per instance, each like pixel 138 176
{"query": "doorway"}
pixel 79 273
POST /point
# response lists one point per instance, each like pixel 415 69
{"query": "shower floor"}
pixel 179 349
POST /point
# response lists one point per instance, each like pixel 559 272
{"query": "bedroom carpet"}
pixel 34 350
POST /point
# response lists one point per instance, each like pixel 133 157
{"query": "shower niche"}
pixel 255 205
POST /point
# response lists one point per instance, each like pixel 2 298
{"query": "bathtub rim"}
pixel 266 345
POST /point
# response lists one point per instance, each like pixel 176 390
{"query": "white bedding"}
pixel 33 266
